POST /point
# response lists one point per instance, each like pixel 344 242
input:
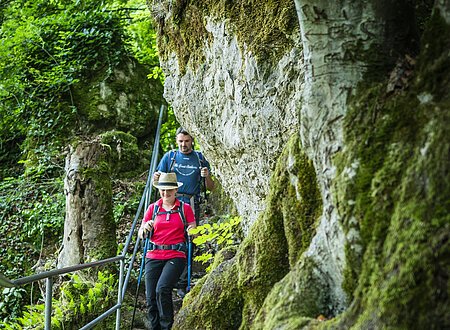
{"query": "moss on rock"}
pixel 264 27
pixel 214 303
pixel 126 158
pixel 302 295
pixel 263 259
pixel 124 99
pixel 223 255
pixel 400 188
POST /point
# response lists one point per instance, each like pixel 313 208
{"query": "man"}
pixel 191 168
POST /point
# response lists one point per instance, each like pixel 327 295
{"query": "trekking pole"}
pixel 204 189
pixel 147 240
pixel 189 264
pixel 207 211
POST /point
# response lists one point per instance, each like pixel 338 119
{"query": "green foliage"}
pixel 168 130
pixel 80 301
pixel 45 49
pixel 142 36
pixel 12 299
pixel 157 73
pixel 216 236
pixel 126 200
pixel 32 212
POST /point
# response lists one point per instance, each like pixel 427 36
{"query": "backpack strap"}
pixel 200 158
pixel 180 210
pixel 182 216
pixel 172 160
pixel 155 211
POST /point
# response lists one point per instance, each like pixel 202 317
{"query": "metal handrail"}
pixel 123 282
pixel 61 271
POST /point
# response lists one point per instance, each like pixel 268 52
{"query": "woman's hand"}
pixel 145 229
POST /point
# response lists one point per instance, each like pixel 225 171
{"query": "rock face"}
pixel 124 100
pixel 324 163
pixel 242 113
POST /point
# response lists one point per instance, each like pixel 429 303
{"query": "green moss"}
pixel 124 99
pixel 263 258
pixel 433 60
pixel 301 201
pixel 124 151
pixel 223 255
pixel 401 198
pixel 264 27
pixel 279 236
pixel 295 300
pixel 214 303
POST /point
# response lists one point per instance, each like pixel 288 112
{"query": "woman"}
pixel 166 257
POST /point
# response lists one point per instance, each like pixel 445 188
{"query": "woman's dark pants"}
pixel 161 277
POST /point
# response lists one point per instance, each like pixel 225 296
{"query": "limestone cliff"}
pixel 319 119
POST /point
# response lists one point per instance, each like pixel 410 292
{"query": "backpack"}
pixel 180 210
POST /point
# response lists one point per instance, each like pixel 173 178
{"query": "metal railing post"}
pixel 48 302
pixel 119 294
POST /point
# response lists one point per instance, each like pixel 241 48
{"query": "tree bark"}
pixel 89 228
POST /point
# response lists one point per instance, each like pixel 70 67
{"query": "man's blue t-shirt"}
pixel 187 167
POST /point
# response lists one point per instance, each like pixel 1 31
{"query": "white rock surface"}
pixel 241 119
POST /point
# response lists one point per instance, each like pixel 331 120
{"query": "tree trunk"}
pixel 89 228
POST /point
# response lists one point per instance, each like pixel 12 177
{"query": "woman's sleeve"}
pixel 148 214
pixel 189 214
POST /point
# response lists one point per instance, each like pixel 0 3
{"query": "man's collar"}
pixel 190 152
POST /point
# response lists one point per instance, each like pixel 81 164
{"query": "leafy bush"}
pixel 48 47
pixel 80 301
pixel 10 305
pixel 31 211
pixel 214 237
pixel 168 129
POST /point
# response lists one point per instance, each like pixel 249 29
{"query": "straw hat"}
pixel 167 181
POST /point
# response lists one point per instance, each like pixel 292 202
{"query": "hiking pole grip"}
pixel 204 186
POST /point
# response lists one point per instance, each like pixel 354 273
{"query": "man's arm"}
pixel 163 164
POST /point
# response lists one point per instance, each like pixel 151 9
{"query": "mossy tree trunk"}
pixel 89 228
